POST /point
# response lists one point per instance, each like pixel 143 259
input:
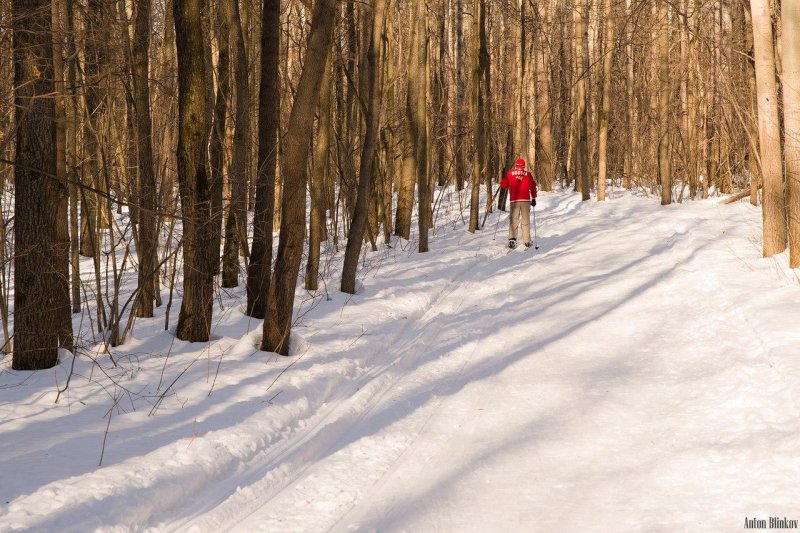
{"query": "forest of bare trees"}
pixel 168 141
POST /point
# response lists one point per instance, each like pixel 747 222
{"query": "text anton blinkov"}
pixel 774 522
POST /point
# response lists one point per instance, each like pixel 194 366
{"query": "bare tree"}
pixel 664 90
pixel 370 96
pixel 582 178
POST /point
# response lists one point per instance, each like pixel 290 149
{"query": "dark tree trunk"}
pixel 148 244
pixel 194 179
pixel 280 305
pixel 418 115
pixel 41 291
pixel 319 178
pixel 258 270
pixel 95 68
pixel 236 223
pixel 217 145
pixel 371 71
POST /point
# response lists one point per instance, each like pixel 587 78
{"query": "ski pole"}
pixel 496 224
pixel 535 243
pixel 492 203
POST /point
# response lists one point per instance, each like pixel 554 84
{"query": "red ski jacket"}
pixel 520 184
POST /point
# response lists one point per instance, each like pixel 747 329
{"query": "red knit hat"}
pixel 519 163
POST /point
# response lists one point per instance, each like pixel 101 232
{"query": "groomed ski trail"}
pixel 567 378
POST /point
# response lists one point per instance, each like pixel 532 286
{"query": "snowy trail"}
pixel 638 372
pixel 579 379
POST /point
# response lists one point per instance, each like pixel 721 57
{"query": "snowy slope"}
pixel 639 371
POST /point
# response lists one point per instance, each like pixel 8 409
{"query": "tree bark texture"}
pixel 148 243
pixel 280 306
pixel 605 110
pixel 194 176
pixel 236 221
pixel 664 130
pixel 319 179
pixel 773 208
pixel 41 290
pixel 269 99
pixel 790 13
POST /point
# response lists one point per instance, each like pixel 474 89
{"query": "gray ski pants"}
pixel 520 212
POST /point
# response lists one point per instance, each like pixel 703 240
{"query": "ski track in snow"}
pixel 638 372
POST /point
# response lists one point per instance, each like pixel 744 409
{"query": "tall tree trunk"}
pixel 269 99
pixel 418 117
pixel 790 14
pixel 476 110
pixel 544 113
pixel 664 89
pixel 753 164
pixel 602 143
pixel 236 222
pixel 194 321
pixel 520 118
pixel 582 177
pixel 405 192
pixel 371 71
pixel 631 137
pixel 41 290
pixel 439 97
pixel 219 129
pixel 458 58
pixel 148 244
pixel 72 149
pixel 773 206
pixel 95 68
pixel 60 118
pixel 692 101
pixel 280 305
pixel 319 178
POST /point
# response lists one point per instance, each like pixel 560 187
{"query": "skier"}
pixel 522 190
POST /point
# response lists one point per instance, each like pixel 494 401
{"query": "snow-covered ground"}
pixel 640 371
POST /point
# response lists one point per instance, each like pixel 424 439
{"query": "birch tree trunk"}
pixel 790 13
pixel 773 206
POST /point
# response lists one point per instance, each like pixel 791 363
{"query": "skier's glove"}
pixel 533 202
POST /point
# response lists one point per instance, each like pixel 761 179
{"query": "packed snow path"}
pixel 637 372
pixel 605 382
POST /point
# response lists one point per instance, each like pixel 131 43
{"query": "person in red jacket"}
pixel 522 192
